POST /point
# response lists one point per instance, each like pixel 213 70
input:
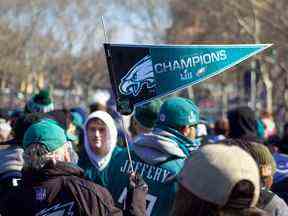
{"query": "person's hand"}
pixel 135 202
pixel 137 182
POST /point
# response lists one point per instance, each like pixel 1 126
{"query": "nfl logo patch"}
pixel 162 117
pixel 40 193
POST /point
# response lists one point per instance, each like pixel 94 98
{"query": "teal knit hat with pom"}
pixel 41 102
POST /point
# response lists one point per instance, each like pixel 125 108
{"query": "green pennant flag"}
pixel 140 73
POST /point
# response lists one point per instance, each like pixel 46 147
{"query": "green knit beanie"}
pixel 177 112
pixel 41 102
pixel 263 158
pixel 47 133
pixel 147 114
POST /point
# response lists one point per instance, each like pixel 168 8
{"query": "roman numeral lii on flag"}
pixel 140 73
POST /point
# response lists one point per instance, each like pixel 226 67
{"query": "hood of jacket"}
pixel 100 162
pixel 157 146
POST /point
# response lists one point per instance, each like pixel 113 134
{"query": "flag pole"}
pixel 104 29
pixel 127 144
pixel 122 120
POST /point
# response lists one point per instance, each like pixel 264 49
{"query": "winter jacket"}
pixel 280 188
pixel 11 158
pixel 272 203
pixel 58 190
pixel 10 167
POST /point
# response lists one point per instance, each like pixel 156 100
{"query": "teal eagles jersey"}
pixel 93 174
pixel 162 184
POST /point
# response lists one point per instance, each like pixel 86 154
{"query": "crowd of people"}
pixel 168 161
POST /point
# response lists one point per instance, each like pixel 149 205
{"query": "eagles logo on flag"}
pixel 139 75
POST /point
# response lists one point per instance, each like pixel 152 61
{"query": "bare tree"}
pixel 247 21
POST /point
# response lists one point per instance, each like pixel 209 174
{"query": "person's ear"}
pixel 185 130
pixel 189 131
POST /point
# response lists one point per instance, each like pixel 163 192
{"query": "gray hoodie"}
pixel 156 147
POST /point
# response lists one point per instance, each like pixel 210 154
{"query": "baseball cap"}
pixel 212 172
pixel 47 133
pixel 177 112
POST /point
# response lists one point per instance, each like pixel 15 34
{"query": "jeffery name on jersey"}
pixel 148 171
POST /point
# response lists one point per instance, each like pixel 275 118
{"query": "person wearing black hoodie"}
pixel 244 133
pixel 243 124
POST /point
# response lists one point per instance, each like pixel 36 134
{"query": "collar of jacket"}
pixel 184 143
pixel 51 171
